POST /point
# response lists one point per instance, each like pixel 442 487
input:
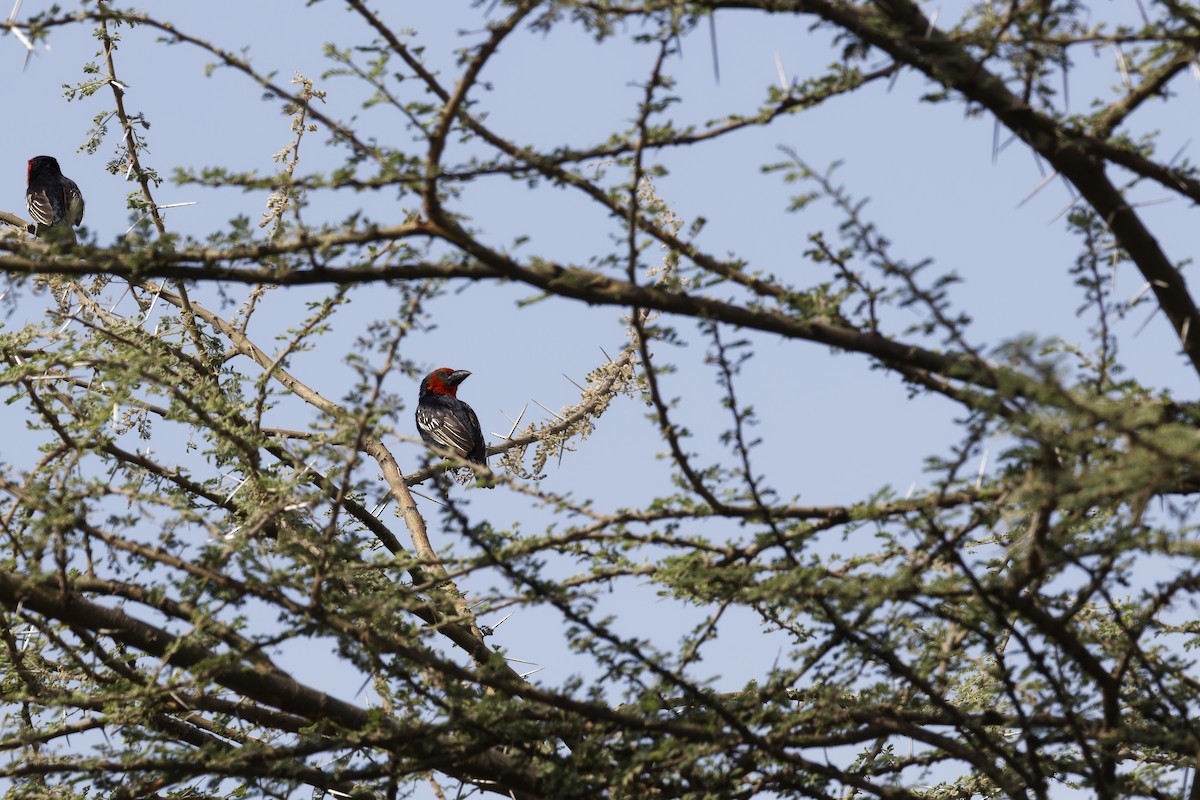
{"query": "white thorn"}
pixel 1038 188
pixel 1123 67
pixel 1137 295
pixel 932 22
pixel 237 489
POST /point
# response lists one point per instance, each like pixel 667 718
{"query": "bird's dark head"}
pixel 444 381
pixel 39 165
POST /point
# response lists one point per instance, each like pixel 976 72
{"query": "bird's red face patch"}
pixel 436 381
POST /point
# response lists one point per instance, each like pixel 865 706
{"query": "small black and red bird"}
pixel 53 200
pixel 445 421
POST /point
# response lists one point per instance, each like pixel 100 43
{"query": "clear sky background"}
pixel 834 430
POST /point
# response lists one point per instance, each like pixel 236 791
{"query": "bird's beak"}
pixel 457 377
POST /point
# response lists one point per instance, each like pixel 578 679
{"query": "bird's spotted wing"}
pixel 443 429
pixel 41 209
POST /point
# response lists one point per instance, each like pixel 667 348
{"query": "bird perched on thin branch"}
pixel 445 421
pixel 53 200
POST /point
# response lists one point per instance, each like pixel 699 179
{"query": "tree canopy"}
pixel 232 569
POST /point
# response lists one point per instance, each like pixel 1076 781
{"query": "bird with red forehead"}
pixel 445 421
pixel 53 200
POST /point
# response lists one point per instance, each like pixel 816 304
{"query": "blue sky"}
pixel 834 430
